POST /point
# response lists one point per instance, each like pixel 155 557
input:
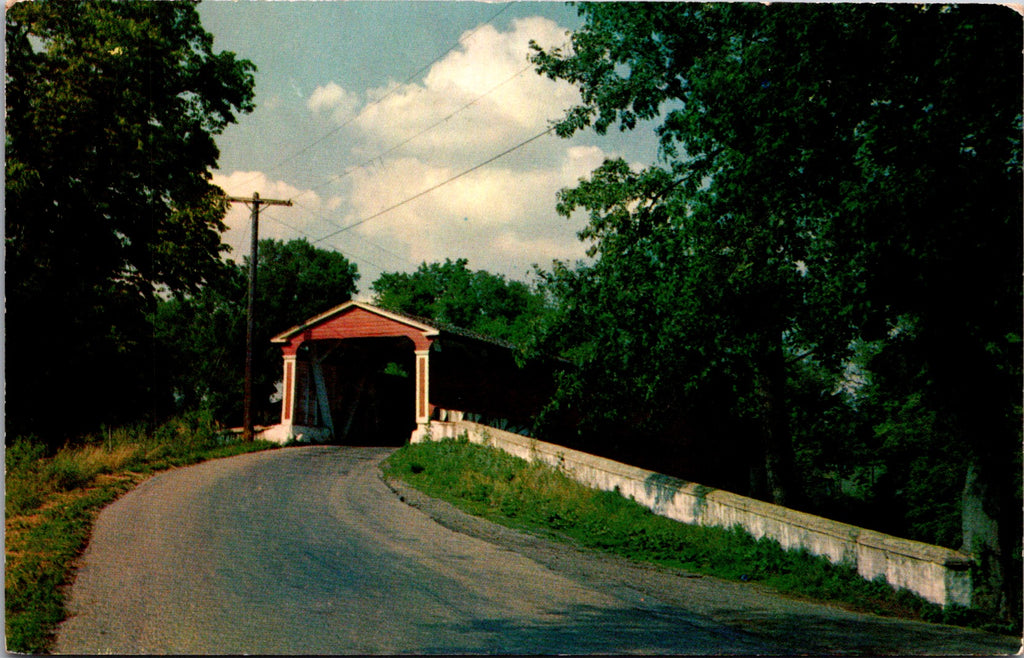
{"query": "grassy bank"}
pixel 52 500
pixel 490 483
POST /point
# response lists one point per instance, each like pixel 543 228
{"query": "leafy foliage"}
pixel 451 293
pixel 297 281
pixel 112 109
pixel 201 346
pixel 808 204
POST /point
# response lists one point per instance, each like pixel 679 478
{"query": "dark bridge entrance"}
pixel 369 385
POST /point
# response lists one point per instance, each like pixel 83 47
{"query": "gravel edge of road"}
pixel 746 607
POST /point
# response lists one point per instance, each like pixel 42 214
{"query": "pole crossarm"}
pixel 256 199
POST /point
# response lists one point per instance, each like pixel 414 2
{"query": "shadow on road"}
pixel 765 621
pixel 587 629
pixel 868 635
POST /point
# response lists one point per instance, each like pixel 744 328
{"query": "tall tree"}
pixel 450 292
pixel 112 109
pixel 830 174
pixel 201 335
pixel 200 348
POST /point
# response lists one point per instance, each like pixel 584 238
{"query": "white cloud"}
pixel 581 161
pixel 311 216
pixel 277 222
pixel 502 219
pixel 484 98
pixel 332 98
pixel 510 102
pixel 245 183
pixel 478 101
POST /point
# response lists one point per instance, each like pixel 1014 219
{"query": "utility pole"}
pixel 256 201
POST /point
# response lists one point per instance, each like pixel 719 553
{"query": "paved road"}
pixel 307 551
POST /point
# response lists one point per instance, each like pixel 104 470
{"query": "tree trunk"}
pixel 991 517
pixel 776 442
pixel 987 535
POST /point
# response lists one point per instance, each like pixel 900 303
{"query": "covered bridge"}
pixel 360 374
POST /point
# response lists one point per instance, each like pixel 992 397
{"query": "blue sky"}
pixel 362 106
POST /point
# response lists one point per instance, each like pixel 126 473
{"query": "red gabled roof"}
pixel 332 315
pixel 360 320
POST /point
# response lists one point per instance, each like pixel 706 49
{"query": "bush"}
pixel 23 453
pixel 25 489
pixel 67 471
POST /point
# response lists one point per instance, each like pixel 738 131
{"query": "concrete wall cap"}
pixel 868 549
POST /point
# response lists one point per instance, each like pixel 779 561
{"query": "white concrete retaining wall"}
pixel 939 575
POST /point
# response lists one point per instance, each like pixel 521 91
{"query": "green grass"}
pixel 52 501
pixel 490 483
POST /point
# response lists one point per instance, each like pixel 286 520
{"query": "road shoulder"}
pixel 806 627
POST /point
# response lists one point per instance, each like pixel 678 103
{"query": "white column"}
pixel 422 401
pixel 288 394
pixel 285 430
pixel 422 387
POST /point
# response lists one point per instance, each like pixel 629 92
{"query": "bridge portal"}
pixel 360 374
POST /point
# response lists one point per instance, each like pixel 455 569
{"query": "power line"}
pixel 336 178
pixel 333 223
pixel 344 228
pixel 338 128
pixel 287 225
pixel 347 255
pixel 434 187
pixel 334 131
pixel 245 237
pixel 380 248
